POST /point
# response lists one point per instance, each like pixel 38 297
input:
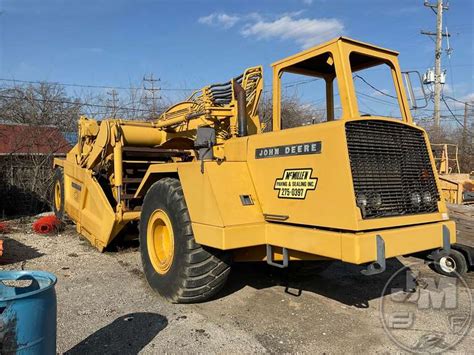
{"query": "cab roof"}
pixel 342 40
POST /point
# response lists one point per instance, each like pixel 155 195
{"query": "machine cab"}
pixel 345 71
pixel 349 164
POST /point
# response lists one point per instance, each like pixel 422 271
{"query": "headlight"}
pixel 362 201
pixel 376 201
pixel 415 199
pixel 427 198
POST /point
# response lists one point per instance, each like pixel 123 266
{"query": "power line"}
pixel 377 99
pixel 70 103
pixel 462 102
pixel 455 117
pixel 88 86
pixel 293 83
pixel 300 82
pixel 373 87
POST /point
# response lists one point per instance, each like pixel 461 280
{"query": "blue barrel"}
pixel 27 312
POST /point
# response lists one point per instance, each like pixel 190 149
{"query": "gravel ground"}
pixel 106 306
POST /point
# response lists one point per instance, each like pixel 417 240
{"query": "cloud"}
pixel 468 98
pixel 459 105
pixel 461 91
pixel 447 89
pixel 307 2
pixel 219 19
pixel 304 31
pixel 253 16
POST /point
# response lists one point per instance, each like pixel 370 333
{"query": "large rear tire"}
pixel 57 193
pixel 175 266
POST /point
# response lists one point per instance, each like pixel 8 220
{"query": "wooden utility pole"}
pixel 466 108
pixel 439 48
pixel 464 150
pixel 438 9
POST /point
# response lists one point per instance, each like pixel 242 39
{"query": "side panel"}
pixel 153 174
pixel 355 248
pixel 214 197
pixel 361 248
pixel 87 205
pixel 331 203
pixel 220 219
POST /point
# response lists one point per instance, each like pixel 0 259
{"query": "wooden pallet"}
pixel 464 217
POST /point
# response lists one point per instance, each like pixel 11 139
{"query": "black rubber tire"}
pixel 58 177
pixel 197 273
pixel 460 261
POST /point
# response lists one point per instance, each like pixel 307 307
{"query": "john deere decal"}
pixel 288 150
pixel 295 183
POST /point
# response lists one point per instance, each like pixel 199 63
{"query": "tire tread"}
pixel 205 270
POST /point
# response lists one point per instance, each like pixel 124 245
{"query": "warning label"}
pixel 295 183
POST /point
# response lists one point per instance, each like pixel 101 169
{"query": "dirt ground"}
pixel 106 306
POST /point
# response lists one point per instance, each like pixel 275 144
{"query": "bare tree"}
pixel 43 104
pixel 26 170
pixel 294 113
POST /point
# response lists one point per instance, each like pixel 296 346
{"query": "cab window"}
pixel 375 86
pixel 309 92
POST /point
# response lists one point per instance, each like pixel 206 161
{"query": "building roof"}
pixel 31 139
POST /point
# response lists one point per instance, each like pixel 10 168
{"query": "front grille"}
pixel 391 169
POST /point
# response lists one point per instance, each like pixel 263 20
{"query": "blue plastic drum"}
pixel 27 312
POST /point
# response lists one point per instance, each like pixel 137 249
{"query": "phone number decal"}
pixel 295 183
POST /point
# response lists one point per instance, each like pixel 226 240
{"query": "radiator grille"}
pixel 391 169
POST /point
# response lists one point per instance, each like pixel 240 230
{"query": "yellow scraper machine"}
pixel 210 187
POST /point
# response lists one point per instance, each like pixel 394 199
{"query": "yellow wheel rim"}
pixel 160 241
pixel 57 195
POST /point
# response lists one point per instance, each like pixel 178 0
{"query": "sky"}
pixel 189 44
